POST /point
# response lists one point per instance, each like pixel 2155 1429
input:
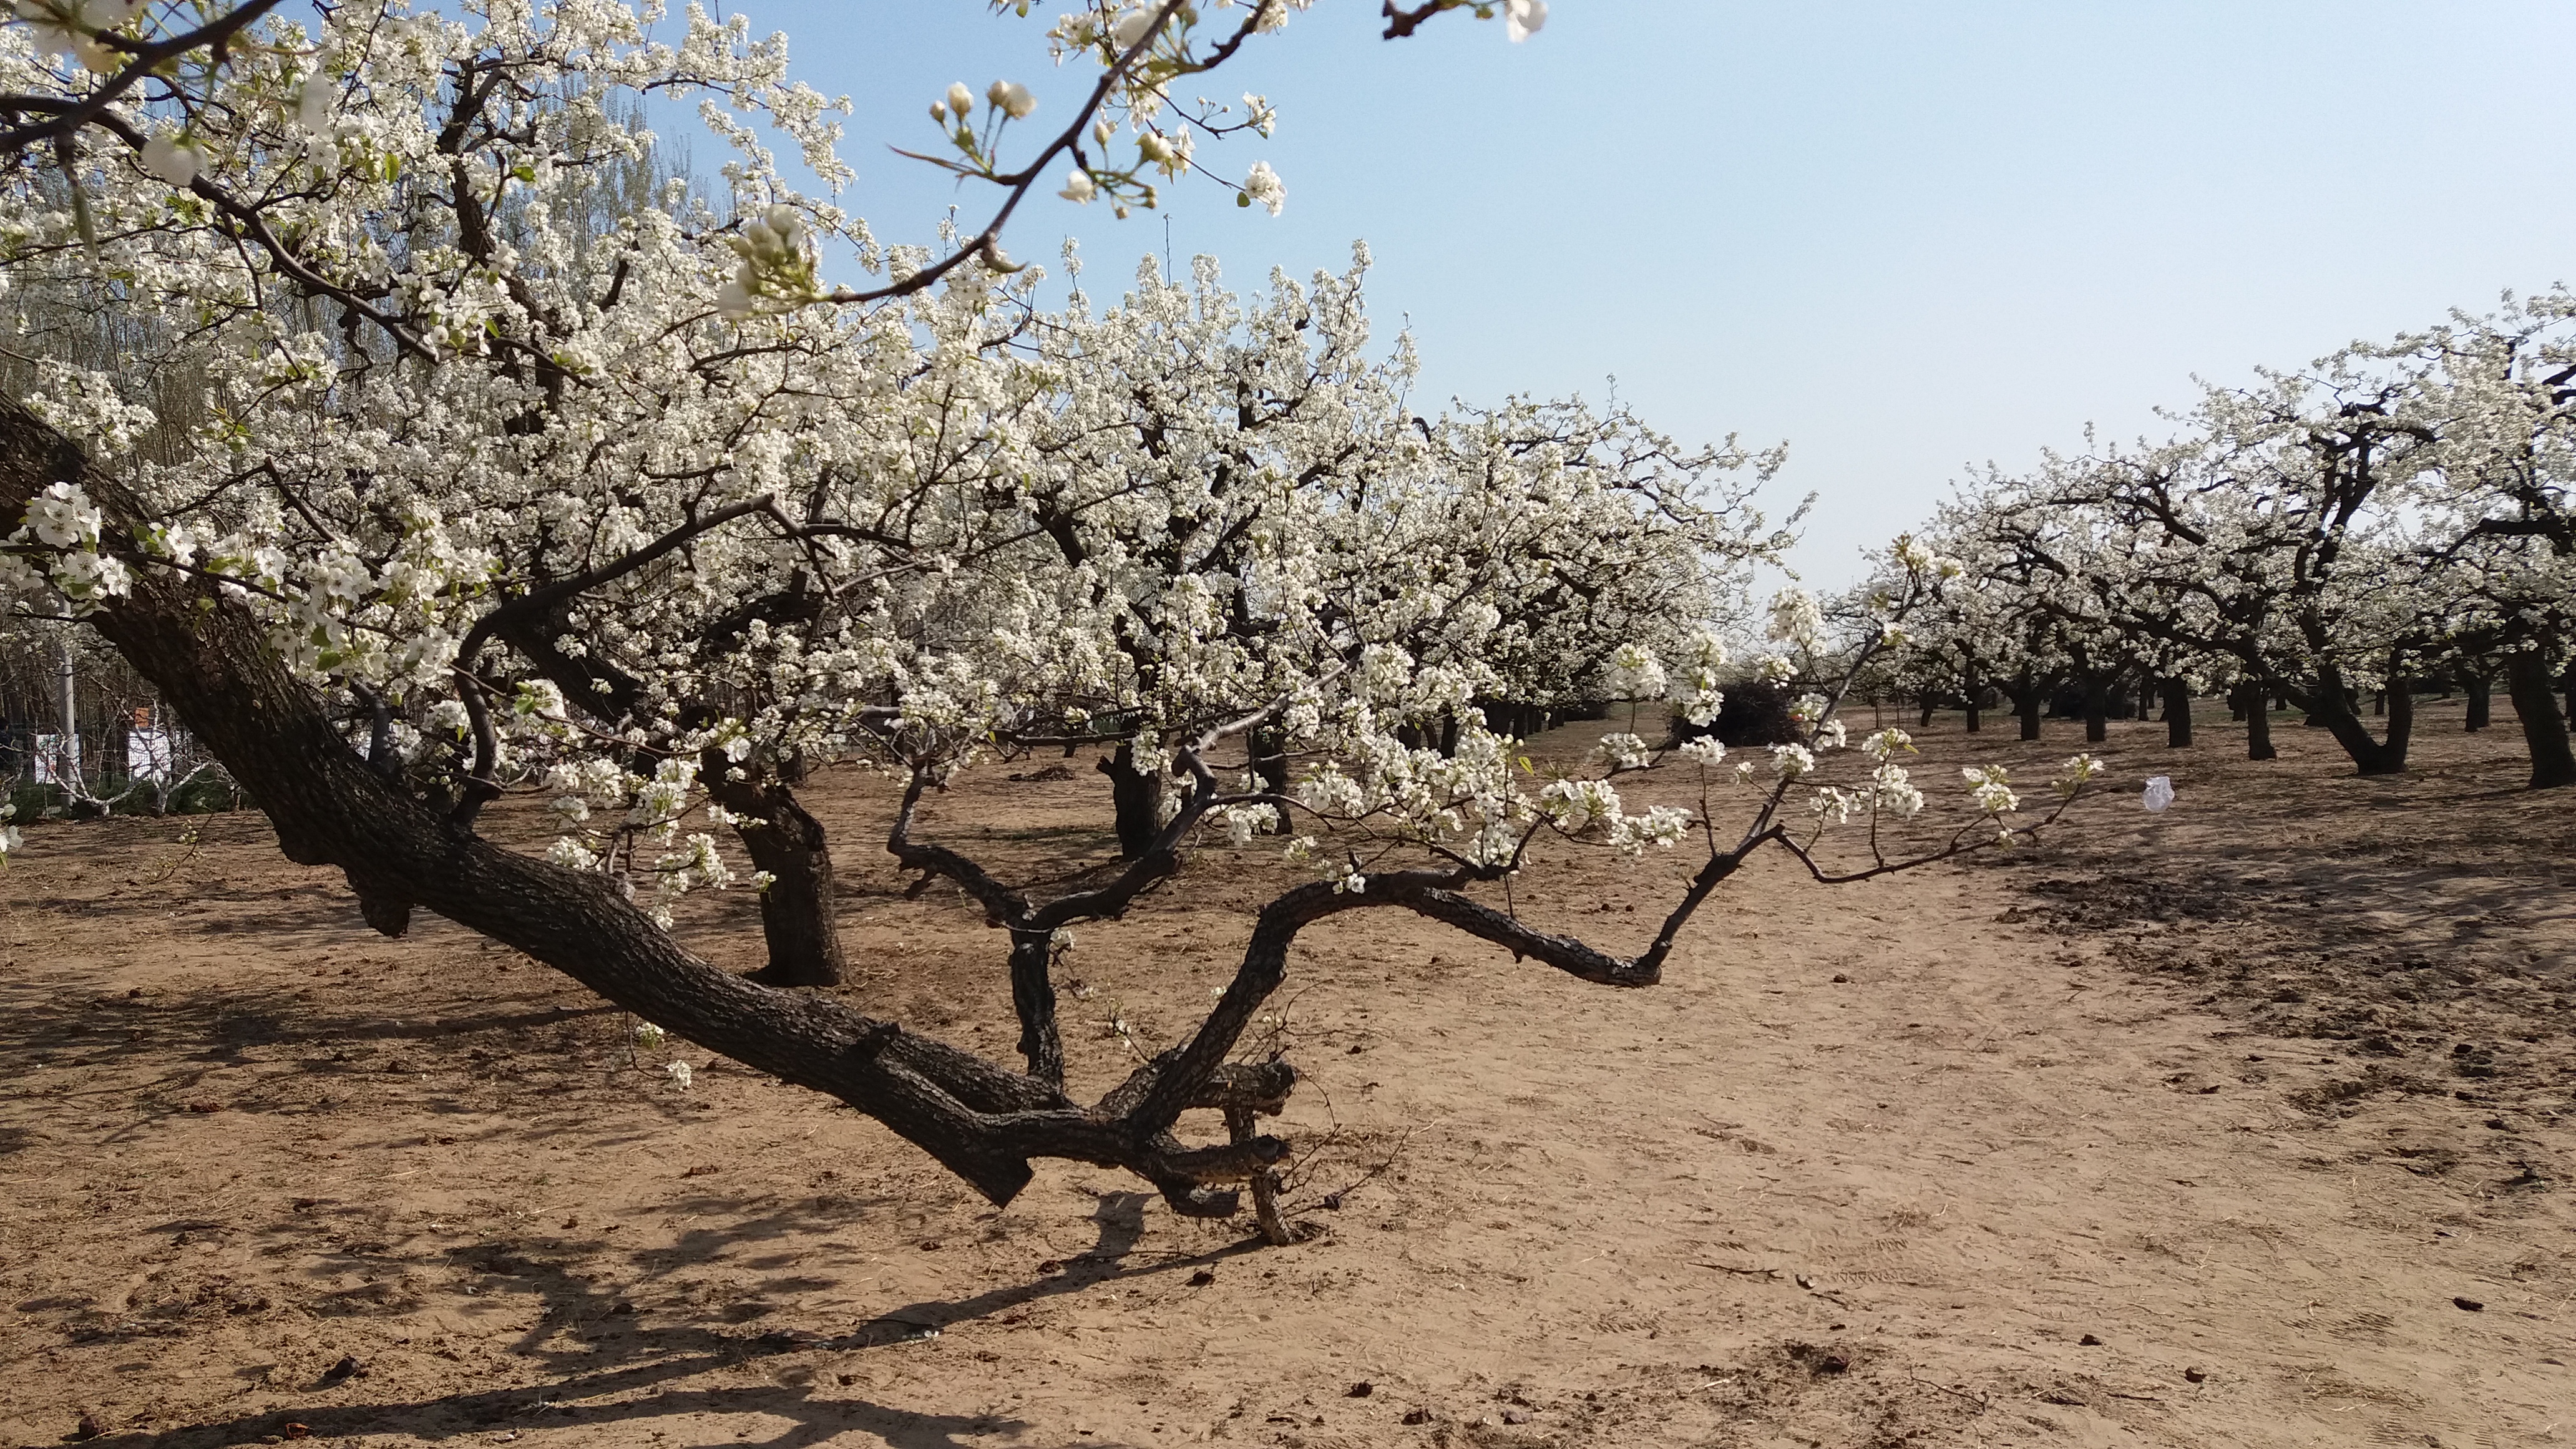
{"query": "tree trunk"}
pixel 2330 707
pixel 2258 725
pixel 799 910
pixel 2544 730
pixel 2481 701
pixel 1270 759
pixel 1974 694
pixel 2097 707
pixel 1927 702
pixel 2026 706
pixel 2177 714
pixel 1137 800
pixel 1033 1000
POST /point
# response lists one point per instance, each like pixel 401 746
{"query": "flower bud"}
pixel 961 100
pixel 1078 186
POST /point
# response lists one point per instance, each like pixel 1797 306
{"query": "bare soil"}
pixel 2244 1124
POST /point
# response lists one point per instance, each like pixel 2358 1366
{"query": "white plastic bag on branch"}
pixel 2160 792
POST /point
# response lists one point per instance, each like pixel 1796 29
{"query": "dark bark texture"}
pixel 2331 707
pixel 1137 800
pixel 798 909
pixel 2177 714
pixel 2258 728
pixel 2544 730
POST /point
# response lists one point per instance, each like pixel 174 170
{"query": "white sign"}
pixel 150 755
pixel 55 764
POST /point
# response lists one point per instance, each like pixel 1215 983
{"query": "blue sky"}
pixel 1906 238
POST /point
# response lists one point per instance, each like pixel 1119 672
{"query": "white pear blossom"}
pixel 171 159
pixel 1261 185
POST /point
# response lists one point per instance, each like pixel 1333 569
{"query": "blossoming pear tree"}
pixel 2393 512
pixel 502 475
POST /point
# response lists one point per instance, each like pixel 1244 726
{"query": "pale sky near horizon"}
pixel 1906 239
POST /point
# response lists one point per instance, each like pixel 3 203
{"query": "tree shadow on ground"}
pixel 588 1356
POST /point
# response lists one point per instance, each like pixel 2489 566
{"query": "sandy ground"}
pixel 2249 1123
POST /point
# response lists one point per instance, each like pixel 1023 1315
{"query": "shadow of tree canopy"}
pixel 601 1372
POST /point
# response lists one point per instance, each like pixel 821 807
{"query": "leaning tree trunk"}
pixel 2544 730
pixel 2330 707
pixel 1137 799
pixel 2481 690
pixel 2177 714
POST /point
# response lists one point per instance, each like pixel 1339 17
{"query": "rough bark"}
pixel 1137 800
pixel 2544 730
pixel 2177 714
pixel 799 916
pixel 1033 1000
